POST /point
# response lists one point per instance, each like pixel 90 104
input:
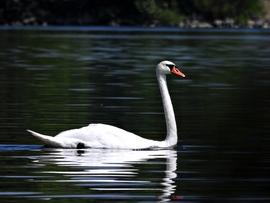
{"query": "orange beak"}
pixel 175 71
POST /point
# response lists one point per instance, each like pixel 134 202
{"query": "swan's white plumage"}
pixel 107 136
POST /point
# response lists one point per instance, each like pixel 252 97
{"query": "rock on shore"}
pixel 227 23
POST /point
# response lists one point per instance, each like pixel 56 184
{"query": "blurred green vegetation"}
pixel 240 10
pixel 129 12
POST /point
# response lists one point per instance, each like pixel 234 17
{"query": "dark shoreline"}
pixel 131 29
pixel 227 23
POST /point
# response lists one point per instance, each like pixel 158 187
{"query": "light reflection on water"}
pixel 110 172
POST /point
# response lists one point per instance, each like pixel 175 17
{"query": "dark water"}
pixel 55 79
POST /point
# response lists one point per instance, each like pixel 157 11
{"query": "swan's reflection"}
pixel 116 170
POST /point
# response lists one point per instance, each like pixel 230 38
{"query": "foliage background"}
pixel 129 12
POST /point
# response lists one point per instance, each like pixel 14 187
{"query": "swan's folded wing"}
pixel 107 136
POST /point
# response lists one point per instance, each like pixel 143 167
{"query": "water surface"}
pixel 55 79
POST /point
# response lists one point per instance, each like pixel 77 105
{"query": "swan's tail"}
pixel 48 140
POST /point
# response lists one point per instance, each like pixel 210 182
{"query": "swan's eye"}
pixel 170 66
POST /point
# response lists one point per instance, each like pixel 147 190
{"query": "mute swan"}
pixel 110 137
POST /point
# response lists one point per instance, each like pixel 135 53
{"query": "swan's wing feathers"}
pixel 116 138
pixel 106 136
pixel 97 136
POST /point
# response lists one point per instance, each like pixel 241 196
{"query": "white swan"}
pixel 110 137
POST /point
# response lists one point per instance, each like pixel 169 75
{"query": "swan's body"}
pixel 110 137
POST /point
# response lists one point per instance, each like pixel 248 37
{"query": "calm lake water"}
pixel 57 78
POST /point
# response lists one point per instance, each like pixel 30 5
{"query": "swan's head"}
pixel 168 67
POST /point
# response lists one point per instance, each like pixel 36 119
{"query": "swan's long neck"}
pixel 171 138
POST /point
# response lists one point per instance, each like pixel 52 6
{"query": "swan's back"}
pixel 107 136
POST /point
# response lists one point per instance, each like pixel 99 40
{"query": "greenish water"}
pixel 59 78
